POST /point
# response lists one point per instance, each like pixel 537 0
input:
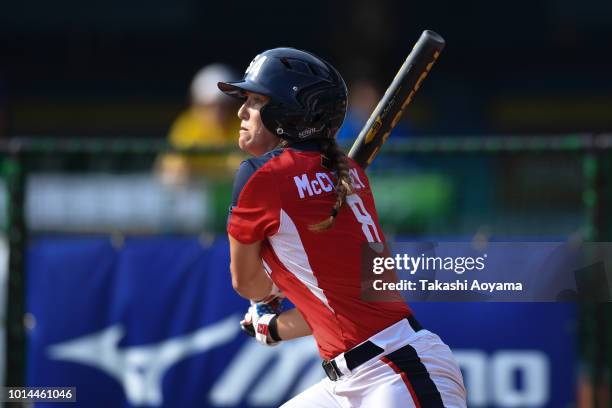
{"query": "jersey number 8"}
pixel 365 219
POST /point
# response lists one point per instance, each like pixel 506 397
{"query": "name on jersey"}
pixel 308 186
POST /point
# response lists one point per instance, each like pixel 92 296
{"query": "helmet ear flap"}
pixel 267 117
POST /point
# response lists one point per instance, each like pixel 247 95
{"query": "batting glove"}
pixel 260 321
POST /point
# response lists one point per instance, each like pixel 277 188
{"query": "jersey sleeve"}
pixel 255 210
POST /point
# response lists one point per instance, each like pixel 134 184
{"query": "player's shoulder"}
pixel 250 168
pixel 292 158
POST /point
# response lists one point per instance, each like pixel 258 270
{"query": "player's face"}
pixel 254 137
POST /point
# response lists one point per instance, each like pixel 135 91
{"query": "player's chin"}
pixel 244 141
pixel 248 145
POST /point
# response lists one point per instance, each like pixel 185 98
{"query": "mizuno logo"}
pixel 140 369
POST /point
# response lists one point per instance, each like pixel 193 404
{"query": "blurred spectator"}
pixel 363 98
pixel 364 95
pixel 210 121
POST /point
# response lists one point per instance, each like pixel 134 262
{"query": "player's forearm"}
pixel 291 325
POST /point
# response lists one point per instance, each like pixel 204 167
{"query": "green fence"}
pixel 527 186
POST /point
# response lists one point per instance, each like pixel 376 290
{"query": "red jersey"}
pixel 276 197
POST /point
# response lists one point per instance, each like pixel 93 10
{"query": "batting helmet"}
pixel 307 95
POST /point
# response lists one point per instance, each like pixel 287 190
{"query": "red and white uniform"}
pixel 319 272
pixel 276 198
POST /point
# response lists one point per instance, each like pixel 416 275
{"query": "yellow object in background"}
pixel 210 121
pixel 198 127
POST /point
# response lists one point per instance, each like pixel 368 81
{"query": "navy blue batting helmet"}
pixel 308 96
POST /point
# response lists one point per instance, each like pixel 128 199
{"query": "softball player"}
pixel 301 211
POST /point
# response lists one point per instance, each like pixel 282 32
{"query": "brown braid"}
pixel 344 185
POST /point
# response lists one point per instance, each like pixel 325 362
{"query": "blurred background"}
pixel 117 157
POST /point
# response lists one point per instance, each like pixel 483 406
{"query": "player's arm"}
pixel 291 325
pixel 248 276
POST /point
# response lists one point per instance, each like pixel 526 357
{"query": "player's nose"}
pixel 243 112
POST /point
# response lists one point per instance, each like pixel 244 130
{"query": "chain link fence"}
pixel 519 187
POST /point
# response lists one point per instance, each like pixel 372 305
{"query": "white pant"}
pixel 417 370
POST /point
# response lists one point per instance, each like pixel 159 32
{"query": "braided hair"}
pixel 344 185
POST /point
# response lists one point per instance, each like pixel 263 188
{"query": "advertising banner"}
pixel 154 322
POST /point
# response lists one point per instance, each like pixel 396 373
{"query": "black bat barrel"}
pixel 399 95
